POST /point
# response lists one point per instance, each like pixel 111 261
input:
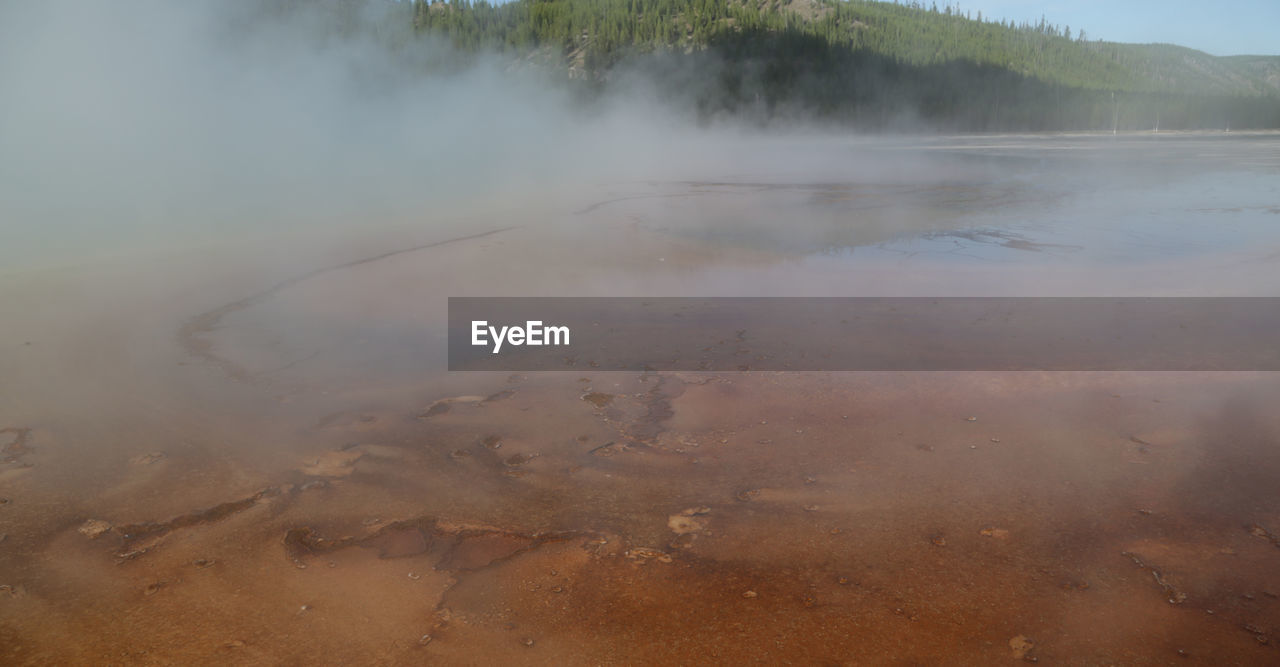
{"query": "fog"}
pixel 157 123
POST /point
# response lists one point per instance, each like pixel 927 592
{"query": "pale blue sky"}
pixel 1220 27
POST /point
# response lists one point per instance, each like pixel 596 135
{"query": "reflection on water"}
pixel 207 464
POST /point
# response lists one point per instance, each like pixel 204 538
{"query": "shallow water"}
pixel 215 456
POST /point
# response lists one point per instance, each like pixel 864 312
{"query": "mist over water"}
pixel 161 123
pixel 227 435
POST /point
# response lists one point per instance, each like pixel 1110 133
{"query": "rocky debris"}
pixel 938 540
pixel 1174 595
pixel 1021 646
pixel 997 533
pixel 146 459
pixel 1259 531
pixel 688 521
pixel 1258 633
pixel 93 528
pixel 643 555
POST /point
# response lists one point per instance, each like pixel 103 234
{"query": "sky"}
pixel 1222 28
pixel 1219 27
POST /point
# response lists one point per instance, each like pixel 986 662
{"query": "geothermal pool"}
pixel 250 451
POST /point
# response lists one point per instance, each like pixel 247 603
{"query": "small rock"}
pixel 645 554
pixel 93 528
pixel 682 524
pixel 750 595
pixel 1021 646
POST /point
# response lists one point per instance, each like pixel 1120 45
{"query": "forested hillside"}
pixel 869 64
pixel 601 30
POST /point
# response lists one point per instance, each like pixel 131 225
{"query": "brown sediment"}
pixel 592 557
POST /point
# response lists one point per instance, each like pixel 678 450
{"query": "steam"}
pixel 158 122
